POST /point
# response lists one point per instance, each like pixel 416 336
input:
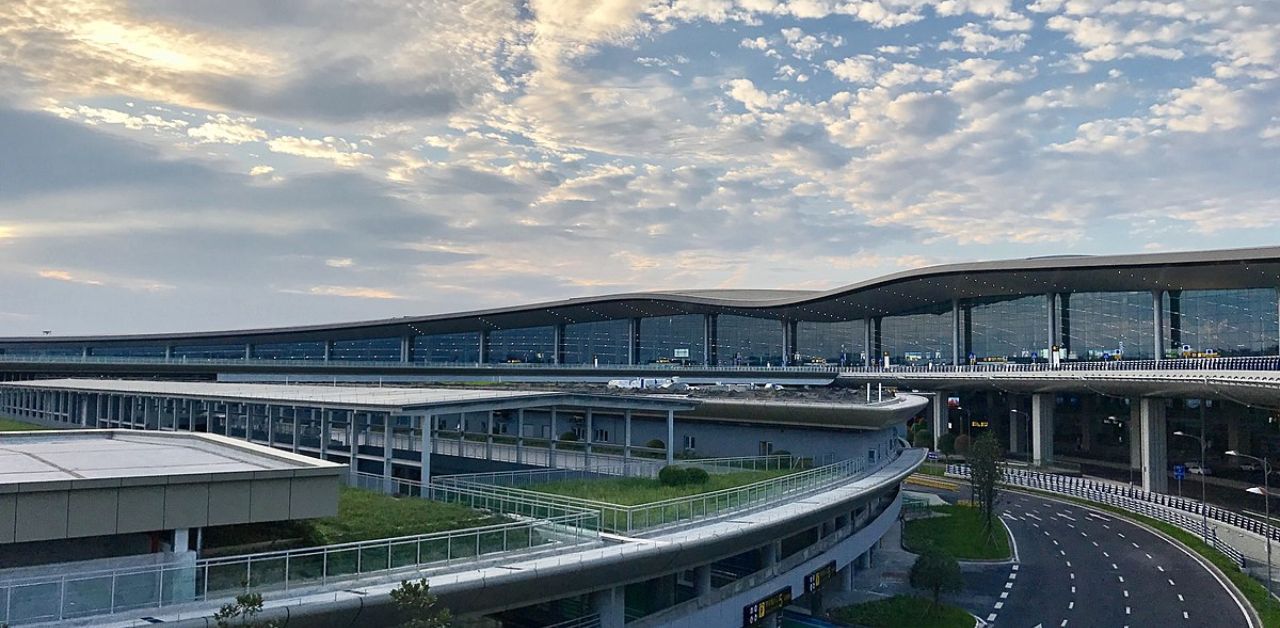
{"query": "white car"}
pixel 1194 468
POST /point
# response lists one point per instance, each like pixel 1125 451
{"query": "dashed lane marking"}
pixel 1160 568
pixel 991 617
pixel 1172 583
pixel 1126 593
pixel 1004 595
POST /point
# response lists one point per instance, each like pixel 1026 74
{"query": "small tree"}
pixel 985 474
pixel 947 444
pixel 923 438
pixel 656 443
pixel 937 572
pixel 419 606
pixel 569 437
pixel 962 444
pixel 244 612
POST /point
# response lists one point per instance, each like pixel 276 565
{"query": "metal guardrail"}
pixel 540 526
pixel 1258 363
pixel 635 468
pixel 623 519
pixel 1122 498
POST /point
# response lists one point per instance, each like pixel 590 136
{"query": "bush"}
pixel 937 572
pixel 569 437
pixel 923 438
pixel 656 443
pixel 962 444
pixel 682 476
pixel 947 444
pixel 672 476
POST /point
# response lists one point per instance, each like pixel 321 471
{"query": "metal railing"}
pixel 541 526
pixel 633 468
pixel 1139 501
pixel 1257 363
pixel 632 519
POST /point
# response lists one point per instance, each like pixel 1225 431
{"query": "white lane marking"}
pixel 1008 585
pixel 1055 541
pixel 1126 593
pixel 1066 516
pixel 1073 588
pixel 1034 517
pixel 1113 566
pixel 1135 545
pixel 1180 598
pixel 1096 516
pixel 1149 557
pixel 1185 615
pixel 1071 525
pixel 1068 563
pixel 1071 605
pixel 1063 552
pixel 1160 568
pixel 1015 567
pixel 991 617
pixel 1106 553
pixel 1035 524
pixel 1127 610
pixel 1064 623
pixel 1084 534
pixel 1171 583
pixel 1121 579
pixel 1095 543
pixel 1121 534
pixel 1004 595
pixel 1073 575
pixel 999 605
pixel 1013 576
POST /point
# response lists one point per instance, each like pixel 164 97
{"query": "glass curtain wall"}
pixel 919 337
pixel 209 352
pixel 292 351
pixel 130 352
pixel 1102 325
pixel 1005 330
pixel 601 341
pixel 748 341
pixel 676 338
pixel 1221 323
pixel 831 343
pixel 447 348
pixel 374 350
pixel 50 351
pixel 523 345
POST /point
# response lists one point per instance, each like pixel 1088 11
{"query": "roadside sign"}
pixel 1179 472
pixel 933 455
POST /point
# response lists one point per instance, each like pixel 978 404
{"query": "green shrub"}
pixel 947 444
pixel 672 475
pixel 656 444
pixel 694 475
pixel 923 438
pixel 569 437
pixel 962 444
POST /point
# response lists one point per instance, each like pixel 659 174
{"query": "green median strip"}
pixel 903 611
pixel 10 425
pixel 957 530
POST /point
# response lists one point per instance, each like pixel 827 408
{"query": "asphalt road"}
pixel 1078 567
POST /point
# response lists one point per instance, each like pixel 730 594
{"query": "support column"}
pixel 610 605
pixel 1237 439
pixel 1088 408
pixel 325 433
pixel 710 340
pixel 702 580
pixel 557 350
pixel 590 435
pixel 484 346
pixel 957 352
pixel 273 413
pixel 939 417
pixel 296 430
pixel 1135 434
pixel 633 341
pixel 1042 428
pixel 388 442
pixel 671 436
pixel 488 436
pixel 868 351
pixel 1017 418
pixel 427 422
pixel 406 349
pixel 353 458
pixel 551 444
pixel 1051 308
pixel 520 436
pixel 1155 459
pixel 626 442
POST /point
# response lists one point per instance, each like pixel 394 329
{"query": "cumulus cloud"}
pixel 335 149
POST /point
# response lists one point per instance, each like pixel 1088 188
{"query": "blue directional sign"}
pixel 1179 471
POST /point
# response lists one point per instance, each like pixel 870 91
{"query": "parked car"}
pixel 1194 468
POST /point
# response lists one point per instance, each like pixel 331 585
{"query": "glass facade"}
pixel 672 339
pixel 447 348
pixel 1100 325
pixel 374 350
pixel 1221 323
pixel 748 341
pixel 209 352
pixel 604 342
pixel 1005 330
pixel 292 351
pixel 919 337
pixel 38 351
pixel 839 343
pixel 522 345
pixel 129 352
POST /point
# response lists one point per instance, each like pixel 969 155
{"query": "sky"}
pixel 202 165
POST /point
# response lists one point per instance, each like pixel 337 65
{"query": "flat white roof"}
pixel 73 455
pixel 384 398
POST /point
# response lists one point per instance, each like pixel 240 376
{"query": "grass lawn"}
pixel 932 468
pixel 9 425
pixel 362 515
pixel 633 491
pixel 903 611
pixel 959 534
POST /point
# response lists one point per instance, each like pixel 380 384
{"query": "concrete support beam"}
pixel 1237 438
pixel 1135 434
pixel 626 440
pixel 520 436
pixel 1157 308
pixel 590 436
pixel 633 341
pixel 610 605
pixel 702 580
pixel 555 440
pixel 488 436
pixel 428 423
pixel 868 351
pixel 297 431
pixel 388 442
pixel 1155 457
pixel 353 450
pixel 1042 428
pixel 406 349
pixel 671 436
pixel 957 352
pixel 939 416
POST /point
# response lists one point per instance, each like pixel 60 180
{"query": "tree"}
pixel 656 443
pixel 923 438
pixel 962 444
pixel 947 444
pixel 938 572
pixel 985 475
pixel 419 606
pixel 243 612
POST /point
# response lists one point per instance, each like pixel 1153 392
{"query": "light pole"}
pixel 1266 495
pixel 1204 514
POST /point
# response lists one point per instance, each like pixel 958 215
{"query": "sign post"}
pixel 1179 472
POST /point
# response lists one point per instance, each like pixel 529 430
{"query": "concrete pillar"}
pixel 590 436
pixel 702 580
pixel 520 436
pixel 181 539
pixel 868 350
pixel 633 341
pixel 353 459
pixel 666 590
pixel 1088 408
pixel 1237 439
pixel 1155 458
pixel 1157 308
pixel 273 414
pixel 488 436
pixel 557 347
pixel 939 417
pixel 1042 428
pixel 325 434
pixel 671 436
pixel 610 605
pixel 388 441
pixel 1135 434
pixel 427 422
pixel 626 439
pixel 406 349
pixel 769 555
pixel 957 352
pixel 555 439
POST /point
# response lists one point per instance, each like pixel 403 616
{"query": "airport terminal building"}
pixel 1152 306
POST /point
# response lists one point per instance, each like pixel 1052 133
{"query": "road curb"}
pixel 1255 620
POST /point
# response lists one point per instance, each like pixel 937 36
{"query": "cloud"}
pixel 334 149
pixel 224 129
pixel 357 292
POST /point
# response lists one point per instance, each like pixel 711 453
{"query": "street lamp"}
pixel 1265 492
pixel 1204 513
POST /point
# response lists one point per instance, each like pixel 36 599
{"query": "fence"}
pixel 542 526
pixel 1142 502
pixel 1261 363
pixel 628 520
pixel 632 468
